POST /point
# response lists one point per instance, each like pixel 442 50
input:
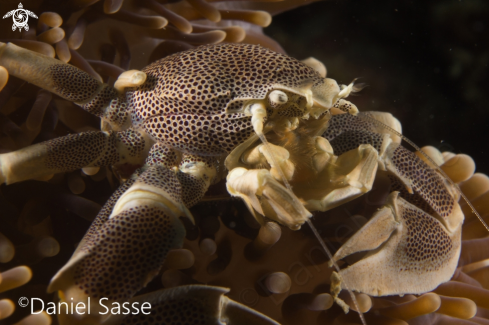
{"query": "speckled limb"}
pixel 413 244
pixel 136 228
pixel 195 173
pixel 127 249
pixel 57 77
pixel 347 132
pixel 72 152
pixel 410 251
pixel 104 214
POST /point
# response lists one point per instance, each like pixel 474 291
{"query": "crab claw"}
pixel 126 245
pixel 265 195
pixel 410 251
pixel 188 305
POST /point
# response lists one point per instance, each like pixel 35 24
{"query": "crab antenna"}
pixel 474 211
pixel 313 228
pixel 337 268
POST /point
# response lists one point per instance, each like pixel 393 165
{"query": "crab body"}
pixel 191 111
pixel 188 99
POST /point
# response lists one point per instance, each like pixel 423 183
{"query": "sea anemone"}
pixel 269 268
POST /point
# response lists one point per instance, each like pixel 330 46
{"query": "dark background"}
pixel 424 61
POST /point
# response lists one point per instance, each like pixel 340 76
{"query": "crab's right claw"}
pixel 410 251
pixel 267 197
pixel 126 245
pixel 189 305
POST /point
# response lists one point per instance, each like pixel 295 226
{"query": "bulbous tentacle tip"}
pixel 3 179
pixel 7 308
pixel 14 278
pixel 3 77
pixel 131 78
pixel 316 65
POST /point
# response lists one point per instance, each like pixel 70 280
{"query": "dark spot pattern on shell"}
pixel 183 101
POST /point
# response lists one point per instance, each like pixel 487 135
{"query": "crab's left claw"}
pixel 410 251
pixel 189 305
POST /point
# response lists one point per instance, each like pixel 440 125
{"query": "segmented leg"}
pixel 158 155
pixel 347 132
pixel 74 151
pixel 414 240
pixel 127 244
pixel 127 251
pixel 57 77
pixel 73 84
pixel 195 173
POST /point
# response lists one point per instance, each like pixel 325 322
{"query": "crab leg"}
pixel 158 155
pixel 73 84
pixel 72 152
pixel 347 132
pixel 57 77
pixel 128 249
pixel 127 244
pixel 414 240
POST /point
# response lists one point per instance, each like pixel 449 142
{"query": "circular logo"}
pixel 23 301
pixel 20 17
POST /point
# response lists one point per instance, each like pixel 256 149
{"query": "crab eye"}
pixel 277 97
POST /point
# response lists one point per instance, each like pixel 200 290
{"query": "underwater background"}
pixel 426 62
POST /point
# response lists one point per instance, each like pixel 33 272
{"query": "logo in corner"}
pixel 20 17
